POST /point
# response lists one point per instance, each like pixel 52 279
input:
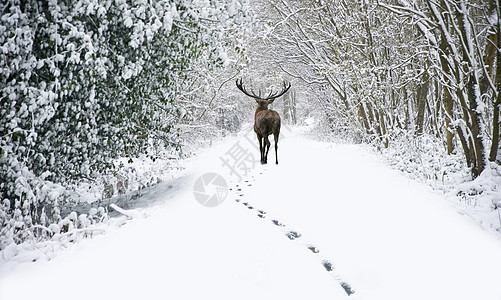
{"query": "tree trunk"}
pixel 421 95
pixel 287 107
pixel 384 132
pixel 293 108
pixel 490 53
pixel 495 130
pixel 475 115
pixel 466 149
pixel 495 118
pixel 363 118
pixel 476 135
pixel 447 99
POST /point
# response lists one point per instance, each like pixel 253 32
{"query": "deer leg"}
pixel 267 147
pixel 275 135
pixel 261 149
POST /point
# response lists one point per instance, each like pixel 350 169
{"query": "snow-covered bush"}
pixel 86 82
pixel 424 159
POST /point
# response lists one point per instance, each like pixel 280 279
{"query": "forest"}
pixel 90 86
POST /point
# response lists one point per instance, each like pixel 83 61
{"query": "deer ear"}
pixel 270 101
pixel 257 101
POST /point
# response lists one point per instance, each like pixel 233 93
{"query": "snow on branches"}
pixel 86 82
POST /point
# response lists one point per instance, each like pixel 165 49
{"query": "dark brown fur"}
pixel 266 121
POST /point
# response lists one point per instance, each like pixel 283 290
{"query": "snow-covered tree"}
pixel 85 82
pixel 389 70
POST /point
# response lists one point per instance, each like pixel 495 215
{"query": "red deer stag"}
pixel 266 121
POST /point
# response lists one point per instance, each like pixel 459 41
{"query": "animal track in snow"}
pixel 347 288
pixel 327 265
pixel 293 235
pixel 277 223
pixel 313 249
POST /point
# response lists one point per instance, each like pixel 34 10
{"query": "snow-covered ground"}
pixel 330 221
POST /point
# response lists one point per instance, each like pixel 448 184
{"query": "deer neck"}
pixel 259 109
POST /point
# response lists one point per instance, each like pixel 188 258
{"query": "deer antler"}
pixel 276 95
pixel 270 96
pixel 241 87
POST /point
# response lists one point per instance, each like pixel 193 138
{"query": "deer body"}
pixel 266 121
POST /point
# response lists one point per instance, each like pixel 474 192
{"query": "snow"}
pixel 391 238
pixel 130 214
pixel 382 234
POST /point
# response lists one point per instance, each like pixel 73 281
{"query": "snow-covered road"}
pixel 329 222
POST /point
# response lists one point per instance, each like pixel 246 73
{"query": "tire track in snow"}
pixel 290 233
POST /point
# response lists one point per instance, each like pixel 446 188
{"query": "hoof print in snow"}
pixel 347 288
pixel 292 235
pixel 276 222
pixel 313 249
pixel 238 200
pixel 250 184
pixel 327 265
pixel 245 203
pixel 250 207
pixel 241 195
pixel 262 212
pixel 238 190
pixel 261 216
